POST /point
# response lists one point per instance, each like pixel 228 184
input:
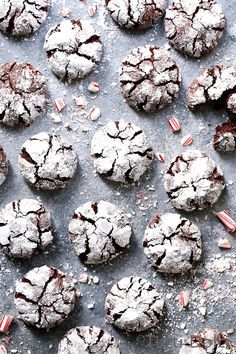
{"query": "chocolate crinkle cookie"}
pixel 88 340
pixel 22 17
pixel 149 78
pixel 136 13
pixel 22 93
pixel 44 297
pixel 47 161
pixel 209 341
pixel 193 181
pixel 121 152
pixel 225 137
pixel 134 305
pixel 213 84
pixel 194 27
pixel 99 231
pixel 172 244
pixel 73 49
pixel 25 228
pixel 3 166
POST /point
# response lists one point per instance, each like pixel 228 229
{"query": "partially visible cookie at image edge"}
pixel 3 165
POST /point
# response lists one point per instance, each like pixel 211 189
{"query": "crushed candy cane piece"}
pixel 186 140
pixel 160 156
pixel 207 284
pixel 96 279
pixel 94 113
pixel 92 9
pixel 60 104
pixel 91 306
pixel 83 278
pixel 80 101
pixel 202 310
pixel 226 220
pixel 65 12
pixel 174 125
pixel 3 349
pixel 5 322
pixel 184 298
pixel 224 243
pixel 93 87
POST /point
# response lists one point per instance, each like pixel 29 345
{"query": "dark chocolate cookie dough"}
pixel 22 93
pixel 3 165
pixel 225 137
pixel 22 17
pixel 149 78
pixel 134 13
pixel 44 297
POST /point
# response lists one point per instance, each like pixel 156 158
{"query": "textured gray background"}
pixel 87 186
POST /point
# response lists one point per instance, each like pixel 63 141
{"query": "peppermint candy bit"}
pixel 226 220
pixel 5 322
pixel 94 113
pixel 184 298
pixel 160 156
pixel 207 284
pixel 93 87
pixel 80 102
pixel 174 125
pixel 60 104
pixel 3 349
pixel 186 140
pixel 92 9
pixel 83 278
pixel 224 243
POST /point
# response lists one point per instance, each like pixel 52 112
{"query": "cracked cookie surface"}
pixel 225 137
pixel 133 305
pixel 3 165
pixel 194 27
pixel 44 297
pixel 99 232
pixel 136 13
pixel 121 152
pixel 47 161
pixel 22 17
pixel 73 49
pixel 193 181
pixel 212 84
pixel 209 341
pixel 149 78
pixel 25 228
pixel 88 340
pixel 172 244
pixel 22 93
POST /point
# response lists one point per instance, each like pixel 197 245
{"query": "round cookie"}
pixel 44 297
pixel 22 17
pixel 88 340
pixel 133 305
pixel 121 152
pixel 225 137
pixel 73 49
pixel 194 27
pixel 193 181
pixel 3 166
pixel 149 78
pixel 209 341
pixel 25 228
pixel 22 93
pixel 99 232
pixel 172 244
pixel 212 85
pixel 136 13
pixel 231 103
pixel 47 161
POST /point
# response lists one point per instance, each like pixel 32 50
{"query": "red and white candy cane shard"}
pixel 60 104
pixel 186 140
pixel 92 9
pixel 94 113
pixel 224 243
pixel 93 87
pixel 226 220
pixel 174 125
pixel 207 284
pixel 3 349
pixel 80 101
pixel 160 156
pixel 5 322
pixel 184 298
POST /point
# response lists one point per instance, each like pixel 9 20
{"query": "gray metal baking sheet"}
pixel 86 186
